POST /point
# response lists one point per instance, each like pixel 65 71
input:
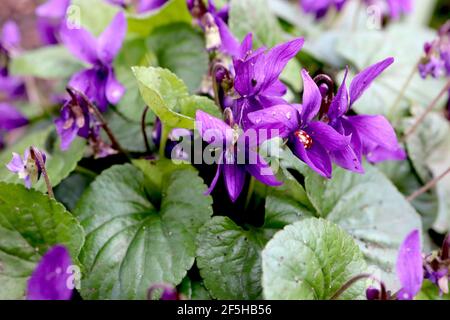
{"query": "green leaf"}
pixel 30 223
pixel 371 209
pixel 181 49
pixel 53 62
pixel 162 91
pixel 229 259
pixel 136 54
pixel 430 291
pixel 173 11
pixel 59 163
pixel 255 16
pixel 70 190
pixel 406 180
pixel 429 151
pixel 190 105
pixel 93 15
pixel 193 290
pixel 311 259
pixel 130 243
pixel 128 133
pixel 168 97
pixel 229 256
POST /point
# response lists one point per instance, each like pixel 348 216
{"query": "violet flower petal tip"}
pixel 409 266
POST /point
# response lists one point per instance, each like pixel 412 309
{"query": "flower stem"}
pixel 144 133
pixel 402 92
pixel 86 172
pixel 428 186
pixel 37 156
pixel 426 112
pixel 351 282
pixel 114 142
pixel 163 142
pixel 251 188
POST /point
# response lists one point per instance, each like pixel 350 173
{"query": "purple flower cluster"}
pixel 319 136
pixel 436 62
pixel 318 132
pixel 391 8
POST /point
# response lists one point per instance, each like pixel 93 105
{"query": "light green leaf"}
pixel 131 244
pixel 311 259
pixel 229 259
pixel 371 209
pixel 53 62
pixel 429 151
pixel 255 16
pixel 59 163
pixel 173 11
pixel 30 223
pixel 162 91
pixel 181 49
pixel 93 15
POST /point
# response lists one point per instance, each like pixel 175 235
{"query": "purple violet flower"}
pixel 11 118
pixel 409 267
pixel 436 266
pixel 99 82
pixel 75 120
pixel 371 135
pixel 237 153
pixel 51 278
pixel 311 141
pixel 50 17
pixel 27 167
pixel 257 74
pixel 149 5
pixel 11 88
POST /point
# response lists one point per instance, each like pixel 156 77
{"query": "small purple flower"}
pixel 99 82
pixel 10 38
pixel 409 267
pixel 237 153
pixel 436 62
pixel 51 278
pixel 75 120
pixel 168 292
pixel 321 7
pixel 214 23
pixel 436 267
pixel 372 136
pixel 257 75
pixel 27 168
pixel 311 141
pixel 50 17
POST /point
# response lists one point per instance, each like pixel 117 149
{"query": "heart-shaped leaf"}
pixel 131 244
